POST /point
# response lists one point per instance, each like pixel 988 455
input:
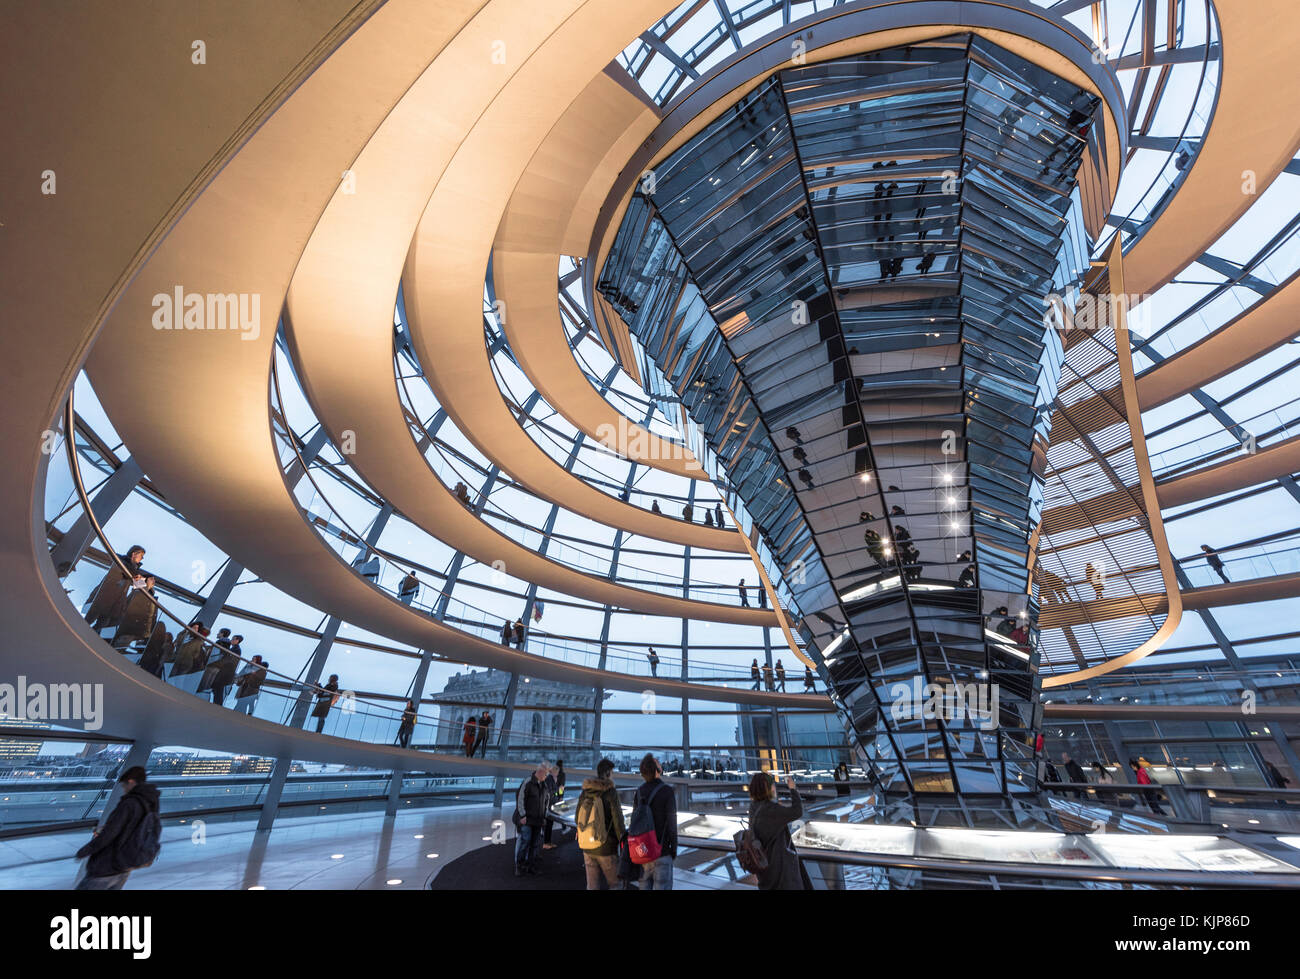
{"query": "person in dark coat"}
pixel 407 590
pixel 213 663
pixel 519 633
pixel 1279 780
pixel 770 822
pixel 1073 771
pixel 110 595
pixel 658 876
pixel 325 698
pixel 407 727
pixel 1215 562
pixel 484 732
pixel 138 614
pixel 227 667
pixel 105 871
pixel 190 654
pixel 842 780
pixel 249 684
pixel 555 782
pixel 530 812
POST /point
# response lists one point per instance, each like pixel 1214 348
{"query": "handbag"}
pixel 642 842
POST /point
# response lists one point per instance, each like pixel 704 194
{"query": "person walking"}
pixel 753 673
pixel 408 589
pixel 190 657
pixel 780 675
pixel 111 592
pixel 809 681
pixel 128 840
pixel 484 734
pixel 519 633
pixel 227 666
pixel 1096 579
pixel 138 613
pixel 717 514
pixel 770 822
pixel 660 813
pixel 688 513
pixel 744 593
pixel 599 821
pixel 249 684
pixel 507 634
pixel 1150 795
pixel 1215 562
pixel 1073 773
pixel 325 698
pixel 653 657
pixel 767 677
pixel 654 507
pixel 1279 780
pixel 529 811
pixel 468 734
pixel 407 727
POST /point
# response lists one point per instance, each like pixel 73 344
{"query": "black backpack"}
pixel 140 847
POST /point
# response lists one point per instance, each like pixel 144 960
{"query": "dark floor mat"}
pixel 492 868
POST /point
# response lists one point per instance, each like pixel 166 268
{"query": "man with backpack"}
pixel 599 819
pixel 129 838
pixel 530 814
pixel 652 830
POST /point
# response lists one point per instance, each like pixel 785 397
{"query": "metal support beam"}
pixel 274 789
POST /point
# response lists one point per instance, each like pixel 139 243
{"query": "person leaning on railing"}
pixel 110 596
pixel 325 698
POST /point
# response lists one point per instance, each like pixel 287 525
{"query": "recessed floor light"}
pixel 395 881
pixel 431 856
pixel 257 887
pixel 336 856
